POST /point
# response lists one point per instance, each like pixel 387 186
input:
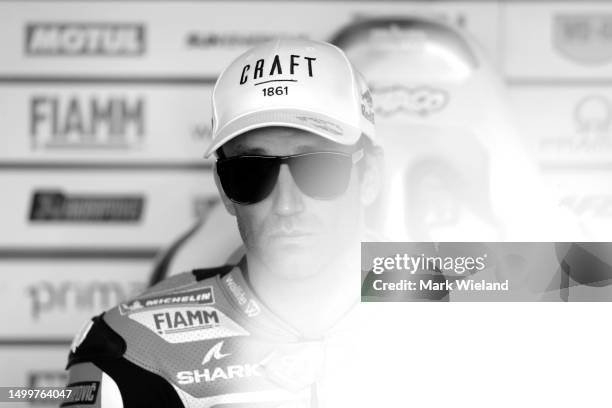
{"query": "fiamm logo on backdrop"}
pixel 56 206
pixel 87 121
pixel 85 39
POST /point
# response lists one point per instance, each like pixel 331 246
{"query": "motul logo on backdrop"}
pixel 74 39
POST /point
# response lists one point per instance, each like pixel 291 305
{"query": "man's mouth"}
pixel 291 234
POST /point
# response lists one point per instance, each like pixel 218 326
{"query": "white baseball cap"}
pixel 297 83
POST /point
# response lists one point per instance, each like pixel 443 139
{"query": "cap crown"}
pixel 312 82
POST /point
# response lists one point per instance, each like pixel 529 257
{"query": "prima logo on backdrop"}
pixel 585 38
pixel 85 39
pixel 56 206
pixel 87 122
pixel 71 296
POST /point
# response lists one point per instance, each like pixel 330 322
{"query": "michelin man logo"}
pixel 593 114
pixel 421 101
pixel 593 119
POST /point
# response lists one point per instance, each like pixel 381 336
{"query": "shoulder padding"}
pixel 101 342
pixel 139 387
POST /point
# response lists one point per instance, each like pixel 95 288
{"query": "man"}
pixel 298 161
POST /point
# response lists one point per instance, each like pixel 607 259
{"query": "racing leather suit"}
pixel 197 339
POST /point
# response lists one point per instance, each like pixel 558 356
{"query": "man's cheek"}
pixel 337 225
pixel 248 227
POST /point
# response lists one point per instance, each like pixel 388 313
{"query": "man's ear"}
pixel 372 178
pixel 229 205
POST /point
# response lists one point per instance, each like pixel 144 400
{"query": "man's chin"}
pixel 294 263
pixel 297 257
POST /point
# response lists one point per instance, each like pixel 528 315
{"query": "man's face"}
pixel 292 234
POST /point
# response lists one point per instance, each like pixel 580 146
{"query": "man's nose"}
pixel 288 199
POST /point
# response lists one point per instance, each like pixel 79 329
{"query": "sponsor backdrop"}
pixel 105 115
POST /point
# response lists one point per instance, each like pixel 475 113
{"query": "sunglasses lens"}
pixel 322 175
pixel 248 180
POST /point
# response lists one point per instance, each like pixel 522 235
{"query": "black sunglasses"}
pixel 250 179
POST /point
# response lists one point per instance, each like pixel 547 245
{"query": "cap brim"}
pixel 316 123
